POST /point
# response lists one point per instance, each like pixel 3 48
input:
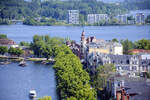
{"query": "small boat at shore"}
pixel 32 94
pixel 47 63
pixel 4 63
pixel 22 63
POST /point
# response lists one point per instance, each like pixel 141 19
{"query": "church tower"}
pixel 83 40
pixel 83 43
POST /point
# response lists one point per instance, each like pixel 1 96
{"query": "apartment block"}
pixel 73 16
pixel 140 18
pixel 122 19
pixel 94 18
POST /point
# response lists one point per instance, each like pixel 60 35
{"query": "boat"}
pixel 4 63
pixel 22 63
pixel 32 94
pixel 48 63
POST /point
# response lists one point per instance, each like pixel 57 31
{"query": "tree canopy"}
pixel 73 81
pixel 3 50
pixel 3 36
pixel 57 9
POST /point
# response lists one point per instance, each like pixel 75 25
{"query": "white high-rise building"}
pixel 140 18
pixel 122 19
pixel 95 18
pixel 73 16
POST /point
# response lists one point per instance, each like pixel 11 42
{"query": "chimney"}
pixel 128 97
pixel 123 94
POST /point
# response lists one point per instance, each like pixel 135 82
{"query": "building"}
pixel 74 47
pixel 95 18
pixel 129 88
pixel 144 64
pixel 140 18
pixel 93 45
pixel 7 42
pixel 73 16
pixel 123 63
pixel 122 19
pixel 83 48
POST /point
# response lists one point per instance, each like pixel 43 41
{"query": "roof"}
pixel 145 56
pixel 142 88
pixel 139 51
pixel 7 42
pixel 137 85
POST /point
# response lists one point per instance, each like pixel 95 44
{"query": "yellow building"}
pixel 98 50
pixel 106 48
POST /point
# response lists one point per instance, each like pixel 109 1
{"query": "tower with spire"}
pixel 83 43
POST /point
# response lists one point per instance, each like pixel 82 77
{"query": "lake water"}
pixel 16 81
pixel 25 33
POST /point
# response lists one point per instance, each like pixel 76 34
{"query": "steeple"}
pixel 83 37
pixel 83 33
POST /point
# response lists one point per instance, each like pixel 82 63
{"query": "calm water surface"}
pixel 16 81
pixel 25 33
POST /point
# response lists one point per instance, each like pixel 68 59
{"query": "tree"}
pixel 23 43
pixel 127 45
pixel 114 40
pixel 147 19
pixel 143 44
pixel 3 50
pixel 102 74
pixel 19 52
pixel 3 36
pixel 15 51
pixel 73 81
pixel 47 52
pixel 12 51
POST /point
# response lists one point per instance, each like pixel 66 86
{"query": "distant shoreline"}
pixel 82 25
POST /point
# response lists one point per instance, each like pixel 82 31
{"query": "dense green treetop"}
pixel 3 36
pixel 3 50
pixel 23 43
pixel 18 9
pixel 15 51
pixel 73 81
pixel 143 44
pixel 136 4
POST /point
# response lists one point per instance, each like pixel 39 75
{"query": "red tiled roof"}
pixel 139 51
pixel 7 42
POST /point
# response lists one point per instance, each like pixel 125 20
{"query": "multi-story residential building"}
pixel 140 18
pixel 122 62
pixel 7 42
pixel 95 18
pixel 74 47
pixel 122 19
pixel 73 16
pixel 144 65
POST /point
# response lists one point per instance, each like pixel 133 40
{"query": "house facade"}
pixel 9 43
